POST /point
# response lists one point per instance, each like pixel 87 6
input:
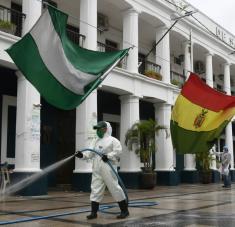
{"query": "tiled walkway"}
pixel 184 205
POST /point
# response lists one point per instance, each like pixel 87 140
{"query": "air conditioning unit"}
pixel 221 76
pixel 102 22
pixel 181 57
pixel 199 67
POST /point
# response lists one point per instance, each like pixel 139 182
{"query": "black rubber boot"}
pixel 94 209
pixel 124 209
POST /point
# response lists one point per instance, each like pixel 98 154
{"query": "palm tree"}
pixel 141 138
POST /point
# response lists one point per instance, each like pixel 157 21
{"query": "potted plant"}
pixel 7 26
pixel 204 160
pixel 141 139
pixel 153 74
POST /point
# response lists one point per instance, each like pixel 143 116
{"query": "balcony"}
pixel 11 21
pixel 104 47
pixel 150 69
pixel 75 36
pixel 177 79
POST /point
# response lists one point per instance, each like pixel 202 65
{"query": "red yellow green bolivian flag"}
pixel 199 116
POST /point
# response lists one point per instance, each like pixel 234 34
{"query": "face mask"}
pixel 100 133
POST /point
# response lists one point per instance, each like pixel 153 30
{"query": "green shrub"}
pixel 153 74
pixel 6 24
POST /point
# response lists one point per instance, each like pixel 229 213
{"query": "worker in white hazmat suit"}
pixel 102 174
pixel 225 161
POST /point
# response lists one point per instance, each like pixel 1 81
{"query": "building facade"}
pixel 145 85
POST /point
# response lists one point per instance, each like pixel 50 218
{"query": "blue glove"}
pixel 105 158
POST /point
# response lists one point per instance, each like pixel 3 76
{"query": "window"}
pixel 219 87
pixel 73 33
pixel 110 45
pixel 16 17
pixel 177 61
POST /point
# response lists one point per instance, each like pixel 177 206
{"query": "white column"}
pixel 86 113
pixel 191 56
pixel 32 9
pixel 130 162
pixel 187 59
pixel 86 118
pixel 209 70
pixel 228 130
pixel 130 38
pixel 164 154
pixel 163 53
pixel 209 82
pixel 227 84
pixel 88 23
pixel 27 158
pixel 189 159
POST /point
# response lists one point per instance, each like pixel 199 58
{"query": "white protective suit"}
pixel 225 161
pixel 102 174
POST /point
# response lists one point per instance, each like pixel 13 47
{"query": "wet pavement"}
pixel 179 206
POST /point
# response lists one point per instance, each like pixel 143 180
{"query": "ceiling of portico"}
pixel 199 52
pixel 147 29
pixel 218 63
pixel 152 100
pixel 113 10
pixel 114 90
pixel 176 43
pixel 17 1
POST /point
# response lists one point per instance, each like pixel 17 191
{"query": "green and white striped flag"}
pixel 63 73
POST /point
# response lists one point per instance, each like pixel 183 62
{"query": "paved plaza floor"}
pixel 179 206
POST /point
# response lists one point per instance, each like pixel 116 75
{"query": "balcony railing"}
pixel 11 21
pixel 104 47
pixel 146 66
pixel 76 37
pixel 177 79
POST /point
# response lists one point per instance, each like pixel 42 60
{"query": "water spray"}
pixel 29 180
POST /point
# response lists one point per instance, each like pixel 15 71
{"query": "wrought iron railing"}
pixel 76 37
pixel 11 21
pixel 147 66
pixel 177 78
pixel 104 47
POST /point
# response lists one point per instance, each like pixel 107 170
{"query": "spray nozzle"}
pixel 78 154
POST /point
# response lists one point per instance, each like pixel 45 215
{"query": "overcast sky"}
pixel 222 12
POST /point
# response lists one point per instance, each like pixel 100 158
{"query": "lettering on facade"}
pixel 92 122
pixel 35 124
pixel 222 35
pixel 35 158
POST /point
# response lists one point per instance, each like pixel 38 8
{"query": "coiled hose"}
pixel 103 208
